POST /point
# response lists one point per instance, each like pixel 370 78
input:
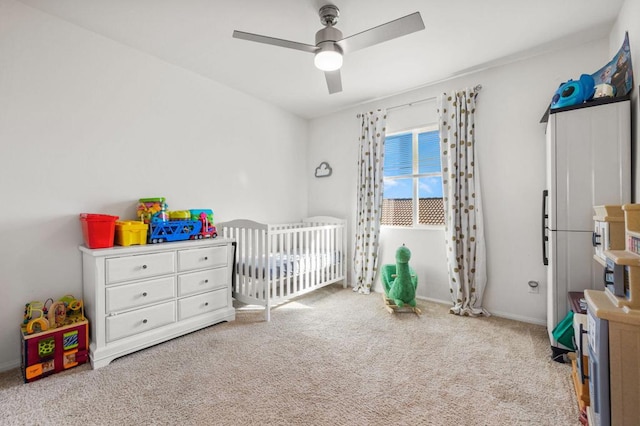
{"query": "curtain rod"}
pixel 476 88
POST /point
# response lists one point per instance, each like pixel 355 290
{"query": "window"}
pixel 413 179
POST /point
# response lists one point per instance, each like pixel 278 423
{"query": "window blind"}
pixel 398 155
pixel 429 152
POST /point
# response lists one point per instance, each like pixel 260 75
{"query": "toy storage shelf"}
pixel 139 296
pixel 624 352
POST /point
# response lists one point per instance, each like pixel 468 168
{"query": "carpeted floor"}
pixel 333 357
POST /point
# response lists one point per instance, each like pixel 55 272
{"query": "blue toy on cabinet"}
pixel 574 92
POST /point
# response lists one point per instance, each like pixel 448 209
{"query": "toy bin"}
pixel 98 230
pixel 131 232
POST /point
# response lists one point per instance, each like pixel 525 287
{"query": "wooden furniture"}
pixel 276 263
pixel 579 359
pixel 625 291
pixel 577 303
pixel 623 352
pixel 55 349
pixel 614 332
pixel 139 296
pixel 580 385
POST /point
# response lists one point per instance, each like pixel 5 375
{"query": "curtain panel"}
pixel 369 199
pixel 464 230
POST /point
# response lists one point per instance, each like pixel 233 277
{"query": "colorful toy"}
pixel 52 351
pixel 179 230
pixel 574 92
pixel 195 214
pixel 179 215
pixel 148 207
pixel 400 283
pixel 54 344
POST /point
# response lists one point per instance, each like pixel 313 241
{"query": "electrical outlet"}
pixel 534 287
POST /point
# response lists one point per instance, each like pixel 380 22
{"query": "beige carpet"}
pixel 333 357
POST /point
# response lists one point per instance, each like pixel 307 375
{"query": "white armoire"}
pixel 588 164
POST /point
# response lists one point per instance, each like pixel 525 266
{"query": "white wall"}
pixel 89 125
pixel 628 21
pixel 511 158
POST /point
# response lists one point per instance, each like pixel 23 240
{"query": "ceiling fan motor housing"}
pixel 328 34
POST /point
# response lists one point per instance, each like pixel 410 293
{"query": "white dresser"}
pixel 139 296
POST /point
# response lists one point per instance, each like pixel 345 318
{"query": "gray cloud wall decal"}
pixel 323 170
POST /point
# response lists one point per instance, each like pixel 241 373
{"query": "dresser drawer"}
pixel 208 257
pixel 129 296
pixel 197 282
pixel 137 267
pixel 139 321
pixel 202 303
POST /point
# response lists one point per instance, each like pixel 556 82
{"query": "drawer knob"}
pixel 144 321
pixel 206 303
pixel 206 281
pixel 206 258
pixel 144 266
pixel 144 294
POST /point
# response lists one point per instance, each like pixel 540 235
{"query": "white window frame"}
pixel 415 176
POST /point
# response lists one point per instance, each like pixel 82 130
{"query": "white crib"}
pixel 275 263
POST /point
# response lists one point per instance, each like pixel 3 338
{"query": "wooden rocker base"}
pixel 393 308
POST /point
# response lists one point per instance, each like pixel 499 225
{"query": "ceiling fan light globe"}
pixel 328 60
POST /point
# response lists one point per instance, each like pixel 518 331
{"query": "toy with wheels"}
pixel 400 283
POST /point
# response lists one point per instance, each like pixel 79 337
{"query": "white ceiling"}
pixel 196 35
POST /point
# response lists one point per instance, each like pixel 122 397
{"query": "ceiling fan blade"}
pixel 334 82
pixel 393 29
pixel 275 41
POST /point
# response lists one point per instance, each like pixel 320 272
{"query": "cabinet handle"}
pixel 144 266
pixel 144 294
pixel 144 321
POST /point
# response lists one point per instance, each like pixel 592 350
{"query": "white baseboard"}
pixel 506 315
pixel 9 365
pixel 520 318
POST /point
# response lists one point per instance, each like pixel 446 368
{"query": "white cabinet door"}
pixel 592 162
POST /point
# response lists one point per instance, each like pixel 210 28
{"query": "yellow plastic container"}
pixel 131 232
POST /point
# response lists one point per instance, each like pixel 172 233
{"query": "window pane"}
pixel 397 205
pixel 397 212
pixel 398 188
pixel 429 152
pixel 398 155
pixel 430 211
pixel 430 187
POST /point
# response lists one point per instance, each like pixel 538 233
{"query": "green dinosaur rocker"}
pixel 400 280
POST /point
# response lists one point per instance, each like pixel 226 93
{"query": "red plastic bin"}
pixel 98 230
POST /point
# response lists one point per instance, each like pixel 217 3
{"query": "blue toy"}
pixel 400 282
pixel 574 92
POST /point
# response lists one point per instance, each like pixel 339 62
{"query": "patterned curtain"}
pixel 464 231
pixel 369 208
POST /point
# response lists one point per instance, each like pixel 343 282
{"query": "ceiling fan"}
pixel 330 45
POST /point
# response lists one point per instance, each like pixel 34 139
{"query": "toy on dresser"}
pixel 54 337
pixel 178 225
